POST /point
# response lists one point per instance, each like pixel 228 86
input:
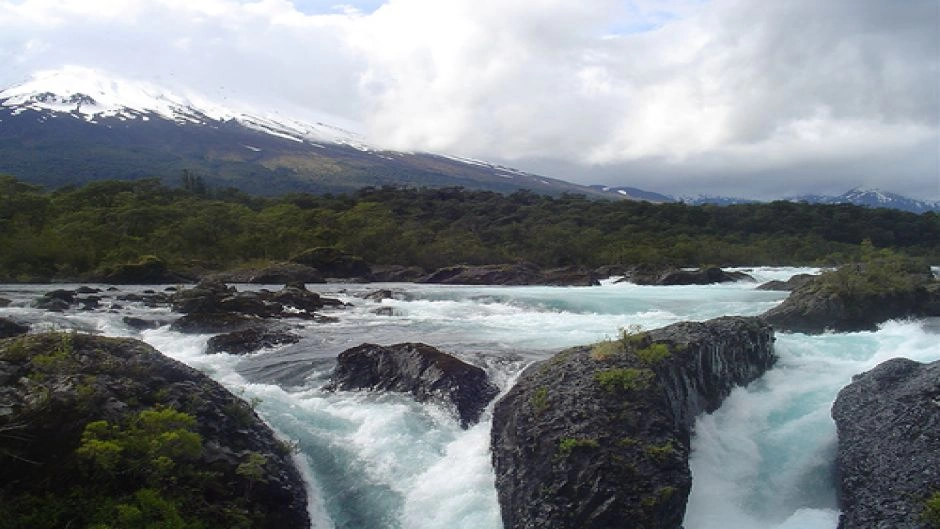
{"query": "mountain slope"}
pixel 75 125
pixel 873 198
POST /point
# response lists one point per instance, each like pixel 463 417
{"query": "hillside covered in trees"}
pixel 70 231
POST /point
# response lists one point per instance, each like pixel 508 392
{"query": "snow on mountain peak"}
pixel 92 95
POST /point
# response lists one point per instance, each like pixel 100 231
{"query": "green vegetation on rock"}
pixel 624 379
pixel 932 510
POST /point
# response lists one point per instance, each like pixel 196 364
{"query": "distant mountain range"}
pixel 867 197
pixel 75 125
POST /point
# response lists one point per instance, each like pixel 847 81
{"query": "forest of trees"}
pixel 66 232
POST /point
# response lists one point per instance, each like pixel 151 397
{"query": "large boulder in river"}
pixel 99 432
pixel 249 340
pixel 856 298
pixel 598 437
pixel 419 369
pixel 888 421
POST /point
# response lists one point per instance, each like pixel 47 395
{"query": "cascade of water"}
pixel 382 461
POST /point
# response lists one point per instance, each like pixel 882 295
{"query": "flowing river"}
pixel 763 461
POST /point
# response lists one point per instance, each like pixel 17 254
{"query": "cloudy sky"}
pixel 759 98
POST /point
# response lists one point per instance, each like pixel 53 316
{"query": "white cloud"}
pixel 675 95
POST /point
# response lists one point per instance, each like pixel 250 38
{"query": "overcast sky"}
pixel 758 98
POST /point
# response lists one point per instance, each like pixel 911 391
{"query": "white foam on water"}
pixel 764 460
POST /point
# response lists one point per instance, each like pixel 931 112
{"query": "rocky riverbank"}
pixel 109 431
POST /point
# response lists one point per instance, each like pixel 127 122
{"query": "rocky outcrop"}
pixel 888 421
pixel 419 369
pixel 150 270
pixel 850 300
pixel 249 341
pixel 212 307
pixel 335 263
pixel 275 274
pixel 511 274
pixel 114 422
pixel 4 302
pixel 396 274
pixel 667 275
pixel 789 285
pixel 10 328
pixel 597 437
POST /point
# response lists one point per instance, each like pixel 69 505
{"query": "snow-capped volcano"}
pixel 75 124
pixel 92 95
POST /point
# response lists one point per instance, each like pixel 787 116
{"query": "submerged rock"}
pixel 888 421
pixel 419 369
pixel 598 437
pixel 114 422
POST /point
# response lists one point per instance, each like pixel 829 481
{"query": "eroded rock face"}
pixel 596 438
pixel 888 421
pixel 416 368
pixel 53 385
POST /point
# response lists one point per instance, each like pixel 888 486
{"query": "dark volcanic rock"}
pixel 141 324
pixel 419 369
pixel 596 439
pixel 396 274
pixel 212 297
pixel 888 421
pixel 215 322
pixel 249 341
pixel 10 328
pixel 279 273
pixel 56 300
pixel 334 263
pixel 149 271
pixel 823 304
pixel 674 276
pixel 573 276
pixel 512 274
pixel 508 274
pixel 789 285
pixel 53 385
